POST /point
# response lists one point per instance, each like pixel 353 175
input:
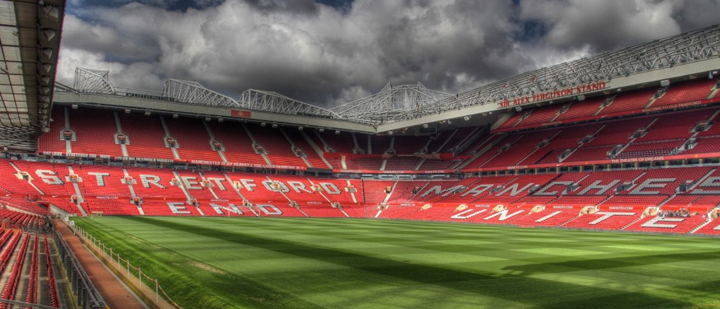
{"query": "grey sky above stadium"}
pixel 327 52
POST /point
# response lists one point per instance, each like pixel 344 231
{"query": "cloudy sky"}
pixel 327 52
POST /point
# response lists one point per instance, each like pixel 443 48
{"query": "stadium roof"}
pixel 390 102
pixel 30 40
pixel 401 106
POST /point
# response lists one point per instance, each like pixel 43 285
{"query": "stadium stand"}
pixel 344 142
pixel 610 200
pixel 238 145
pixel 606 218
pixel 279 150
pixel 492 199
pixel 459 137
pixel 663 224
pixel 482 142
pixel 410 144
pixel 710 228
pixel 542 167
pixel 436 141
pixel 193 140
pixel 147 137
pixel 364 164
pixel 525 146
pixel 25 278
pixel 402 163
pixel 633 100
pixel 581 109
pixel 311 153
pixel 437 165
pixel 92 139
pixel 685 92
pixel 51 141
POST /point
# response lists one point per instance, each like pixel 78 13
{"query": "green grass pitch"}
pixel 357 263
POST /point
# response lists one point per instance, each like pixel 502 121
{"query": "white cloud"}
pixel 138 75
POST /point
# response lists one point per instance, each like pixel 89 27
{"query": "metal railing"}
pixel 87 295
pixel 20 304
pixel 132 273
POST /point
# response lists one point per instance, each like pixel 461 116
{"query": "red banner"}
pixel 553 94
pixel 240 113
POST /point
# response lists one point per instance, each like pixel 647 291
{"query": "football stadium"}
pixel 589 183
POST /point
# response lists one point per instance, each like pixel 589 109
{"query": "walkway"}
pixel 116 295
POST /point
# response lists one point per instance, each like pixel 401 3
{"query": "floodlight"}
pixel 46 52
pixel 51 12
pixel 49 34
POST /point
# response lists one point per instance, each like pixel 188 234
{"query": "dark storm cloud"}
pixel 697 14
pixel 443 43
pixel 295 6
pixel 325 54
pixel 172 5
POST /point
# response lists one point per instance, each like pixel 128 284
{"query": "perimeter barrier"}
pixel 87 295
pixel 130 270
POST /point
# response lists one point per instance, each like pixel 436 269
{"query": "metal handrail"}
pixel 88 296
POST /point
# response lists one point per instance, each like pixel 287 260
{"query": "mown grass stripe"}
pixel 305 263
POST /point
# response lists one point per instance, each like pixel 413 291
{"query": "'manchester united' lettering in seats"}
pixel 526 200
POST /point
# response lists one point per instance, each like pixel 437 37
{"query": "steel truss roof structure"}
pixel 195 93
pixel 390 102
pixel 93 81
pixel 682 49
pixel 407 102
pixel 268 101
pixel 29 43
